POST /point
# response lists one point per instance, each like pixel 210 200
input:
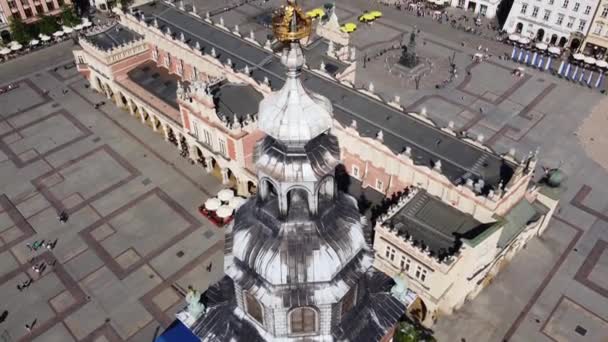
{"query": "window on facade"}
pixel 604 13
pixel 167 60
pixel 535 12
pixel 390 253
pixel 570 22
pixel 560 19
pixel 348 301
pixel 581 25
pixel 379 185
pixel 39 9
pixel 355 171
pixel 50 6
pixel 61 2
pixel 303 321
pixel 576 6
pixel 28 12
pixel 12 5
pixel 587 9
pixel 598 29
pixel 80 60
pixel 180 67
pixel 483 9
pixel 197 129
pixel 405 263
pixel 547 15
pixel 207 138
pixel 524 8
pixel 253 308
pixel 155 54
pixel 565 5
pixel 551 2
pixel 420 273
pixel 223 150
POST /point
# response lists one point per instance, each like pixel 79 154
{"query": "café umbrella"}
pixel 212 204
pixel 67 29
pixel 224 212
pixel 589 60
pixel 44 37
pixel 16 46
pixel 236 202
pixel 5 51
pixel 578 56
pixel 34 42
pixel 58 34
pixel 225 195
pixel 602 64
pixel 555 50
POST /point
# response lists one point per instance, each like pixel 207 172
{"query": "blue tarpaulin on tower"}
pixel 177 332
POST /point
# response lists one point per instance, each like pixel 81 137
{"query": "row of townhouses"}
pixel 455 212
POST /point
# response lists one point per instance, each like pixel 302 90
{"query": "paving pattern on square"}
pixel 571 322
pixel 107 170
pixel 127 209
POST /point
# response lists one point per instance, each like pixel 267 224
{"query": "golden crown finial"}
pixel 290 24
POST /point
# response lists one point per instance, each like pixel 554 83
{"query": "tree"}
pixel 502 12
pixel 47 25
pixel 19 30
pixel 412 332
pixel 81 7
pixel 68 17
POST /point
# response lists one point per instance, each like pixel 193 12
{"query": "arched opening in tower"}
pixel 297 203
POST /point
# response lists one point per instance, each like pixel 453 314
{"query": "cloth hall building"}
pixel 455 209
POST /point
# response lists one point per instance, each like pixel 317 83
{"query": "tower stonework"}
pixel 298 260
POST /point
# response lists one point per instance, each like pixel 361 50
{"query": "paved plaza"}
pixel 134 240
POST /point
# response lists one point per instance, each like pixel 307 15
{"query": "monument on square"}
pixel 409 57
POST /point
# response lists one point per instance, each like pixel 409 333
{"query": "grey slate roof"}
pixel 158 81
pixel 236 99
pixel 517 218
pixel 112 37
pixel 429 144
pixel 436 224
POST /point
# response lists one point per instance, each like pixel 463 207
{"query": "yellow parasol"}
pixel 317 12
pixel 349 28
pixel 376 14
pixel 366 18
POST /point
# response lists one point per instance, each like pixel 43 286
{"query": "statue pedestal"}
pixel 186 318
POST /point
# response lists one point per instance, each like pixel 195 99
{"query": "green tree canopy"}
pixel 408 332
pixel 19 30
pixel 69 17
pixel 48 25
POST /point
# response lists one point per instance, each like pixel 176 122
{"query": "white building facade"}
pixel 564 23
pixel 486 8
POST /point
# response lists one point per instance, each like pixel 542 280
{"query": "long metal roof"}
pixel 460 160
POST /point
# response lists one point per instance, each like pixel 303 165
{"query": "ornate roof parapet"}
pixel 396 102
pixel 208 18
pixel 116 53
pixel 370 92
pixel 450 129
pixel 236 31
pixel 251 38
pixel 194 12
